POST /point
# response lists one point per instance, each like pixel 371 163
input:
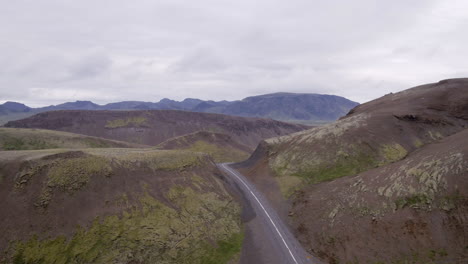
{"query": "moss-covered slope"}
pixel 30 139
pixel 115 206
pixel 411 211
pixel 371 135
pixel 221 147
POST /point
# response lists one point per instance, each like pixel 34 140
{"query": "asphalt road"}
pixel 269 240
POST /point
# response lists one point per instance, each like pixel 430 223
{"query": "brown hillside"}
pixel 115 206
pixel 220 146
pixel 155 126
pixel 384 134
pixel 412 211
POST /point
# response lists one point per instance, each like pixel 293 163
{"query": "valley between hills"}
pixel 385 182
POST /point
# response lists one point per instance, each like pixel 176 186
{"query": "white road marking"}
pixel 263 208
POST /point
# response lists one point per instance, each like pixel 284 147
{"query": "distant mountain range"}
pixel 292 107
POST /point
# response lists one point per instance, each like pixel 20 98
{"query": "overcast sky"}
pixel 115 50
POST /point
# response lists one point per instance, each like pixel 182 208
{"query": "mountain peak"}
pixel 15 107
pixel 166 100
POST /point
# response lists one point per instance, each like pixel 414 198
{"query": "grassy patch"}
pixel 16 143
pixel 12 144
pixel 341 167
pixel 131 121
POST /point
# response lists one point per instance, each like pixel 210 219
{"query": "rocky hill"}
pixel 115 206
pixel 152 127
pixel 411 211
pixel 221 147
pixel 408 151
pixel 303 108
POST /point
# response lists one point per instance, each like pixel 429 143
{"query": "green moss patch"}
pixel 219 153
pixel 168 160
pixel 97 143
pixel 341 167
pixel 424 202
pixel 72 174
pixel 418 143
pixel 321 164
pixel 225 250
pixel 68 174
pixel 35 139
pixel 393 152
pixel 289 184
pixel 131 121
pixel 415 201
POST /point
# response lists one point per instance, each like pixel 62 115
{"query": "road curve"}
pixel 286 249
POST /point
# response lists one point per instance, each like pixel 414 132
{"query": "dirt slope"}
pixel 115 206
pixel 155 126
pixel 384 134
pixel 28 139
pixel 221 147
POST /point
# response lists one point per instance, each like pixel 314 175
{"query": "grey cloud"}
pixel 218 49
pixel 200 60
pixel 90 66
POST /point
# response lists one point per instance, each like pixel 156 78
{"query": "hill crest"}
pixel 152 127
